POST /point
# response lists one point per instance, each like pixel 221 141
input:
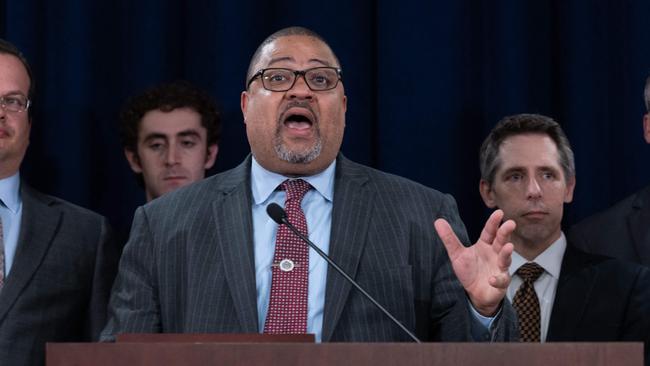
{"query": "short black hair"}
pixel 285 32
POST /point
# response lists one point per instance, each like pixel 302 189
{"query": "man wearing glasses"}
pixel 57 260
pixel 209 258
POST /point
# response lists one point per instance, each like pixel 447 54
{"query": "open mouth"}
pixel 299 120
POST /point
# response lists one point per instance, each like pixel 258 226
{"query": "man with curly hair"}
pixel 170 135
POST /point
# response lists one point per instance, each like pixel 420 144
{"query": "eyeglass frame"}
pixel 297 73
pixel 3 103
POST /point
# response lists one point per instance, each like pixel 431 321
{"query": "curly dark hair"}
pixel 167 97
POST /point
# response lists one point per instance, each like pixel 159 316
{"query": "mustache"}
pixel 298 104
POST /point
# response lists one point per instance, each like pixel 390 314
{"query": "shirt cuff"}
pixel 481 332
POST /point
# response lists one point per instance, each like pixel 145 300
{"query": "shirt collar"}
pixel 264 182
pixel 550 259
pixel 9 192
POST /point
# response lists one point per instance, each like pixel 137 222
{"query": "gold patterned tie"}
pixel 527 304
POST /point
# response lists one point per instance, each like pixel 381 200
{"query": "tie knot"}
pixel 295 188
pixel 530 272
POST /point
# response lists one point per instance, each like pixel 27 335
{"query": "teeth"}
pixel 298 125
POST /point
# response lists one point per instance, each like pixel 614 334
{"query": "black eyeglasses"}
pixel 317 78
pixel 14 103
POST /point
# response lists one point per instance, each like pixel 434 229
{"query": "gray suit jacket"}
pixel 622 231
pixel 188 266
pixel 60 280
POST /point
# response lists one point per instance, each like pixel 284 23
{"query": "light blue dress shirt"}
pixel 317 206
pixel 11 209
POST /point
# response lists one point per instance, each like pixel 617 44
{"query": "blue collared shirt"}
pixel 11 209
pixel 317 206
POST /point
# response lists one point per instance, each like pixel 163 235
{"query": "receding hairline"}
pixel 283 33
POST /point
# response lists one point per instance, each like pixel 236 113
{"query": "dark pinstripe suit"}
pixel 188 266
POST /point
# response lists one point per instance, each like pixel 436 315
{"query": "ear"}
pixel 570 186
pixel 134 160
pixel 211 157
pixel 487 193
pixel 646 127
pixel 243 103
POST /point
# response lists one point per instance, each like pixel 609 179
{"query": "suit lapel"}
pixel 573 292
pixel 39 224
pixel 233 224
pixel 350 219
pixel 639 225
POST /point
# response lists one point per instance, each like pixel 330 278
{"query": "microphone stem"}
pixel 350 280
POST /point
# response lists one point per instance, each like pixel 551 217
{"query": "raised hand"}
pixel 482 268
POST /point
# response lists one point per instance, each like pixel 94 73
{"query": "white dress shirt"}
pixel 546 284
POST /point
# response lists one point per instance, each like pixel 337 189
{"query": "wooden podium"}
pixel 191 350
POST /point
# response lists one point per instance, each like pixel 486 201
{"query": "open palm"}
pixel 482 269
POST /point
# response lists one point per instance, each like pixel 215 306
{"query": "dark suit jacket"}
pixel 622 231
pixel 60 280
pixel 189 266
pixel 600 299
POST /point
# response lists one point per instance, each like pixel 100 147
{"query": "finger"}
pixel 490 229
pixel 448 237
pixel 504 257
pixel 503 235
pixel 500 281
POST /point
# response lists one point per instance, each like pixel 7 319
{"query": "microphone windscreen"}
pixel 276 212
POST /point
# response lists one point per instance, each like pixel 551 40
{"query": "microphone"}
pixel 278 215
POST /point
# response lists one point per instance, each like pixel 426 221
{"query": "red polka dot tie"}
pixel 527 304
pixel 287 312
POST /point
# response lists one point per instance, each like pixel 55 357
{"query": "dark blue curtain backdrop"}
pixel 426 81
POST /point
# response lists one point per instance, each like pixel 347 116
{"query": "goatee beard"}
pixel 297 157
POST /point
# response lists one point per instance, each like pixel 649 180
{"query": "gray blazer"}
pixel 622 231
pixel 188 266
pixel 60 280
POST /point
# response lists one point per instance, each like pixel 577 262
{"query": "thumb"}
pixel 448 237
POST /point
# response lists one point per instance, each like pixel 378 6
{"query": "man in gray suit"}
pixel 622 231
pixel 204 258
pixel 57 261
